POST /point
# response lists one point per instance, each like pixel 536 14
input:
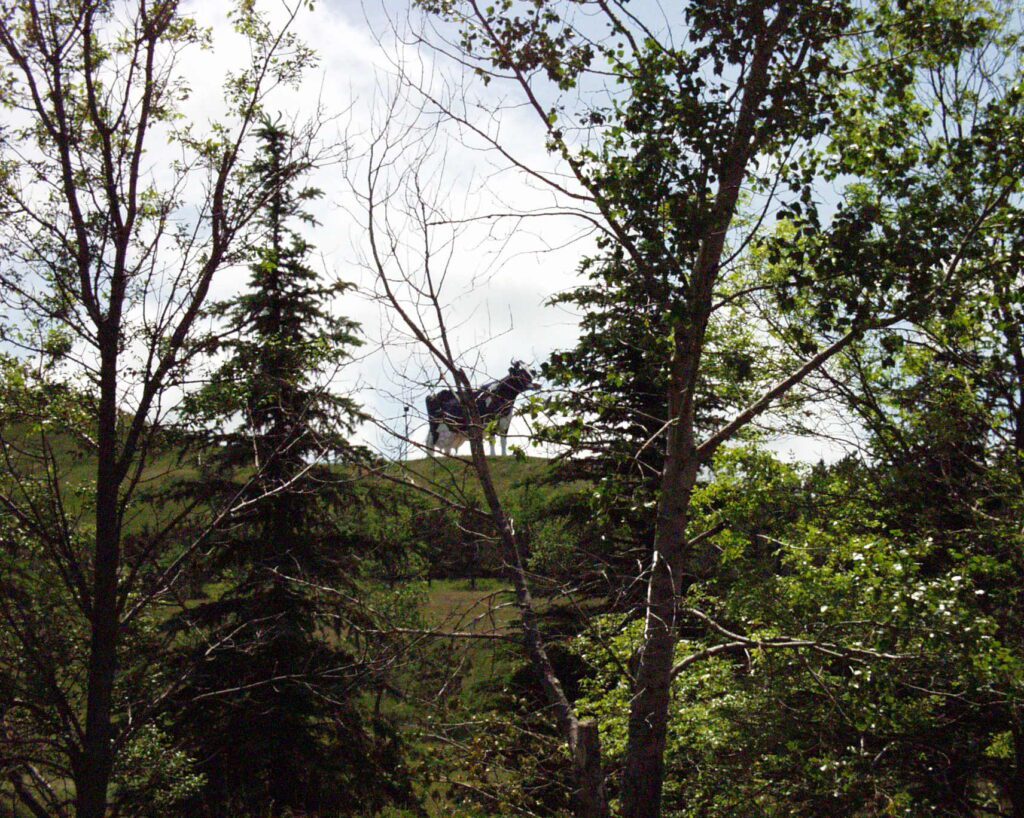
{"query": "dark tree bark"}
pixel 96 761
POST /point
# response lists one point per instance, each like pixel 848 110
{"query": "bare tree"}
pixel 412 243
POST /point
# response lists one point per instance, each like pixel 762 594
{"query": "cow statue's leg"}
pixel 443 439
pixel 503 423
pixel 449 440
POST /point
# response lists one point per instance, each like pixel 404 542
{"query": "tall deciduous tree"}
pixel 606 408
pixel 398 204
pixel 704 105
pixel 109 255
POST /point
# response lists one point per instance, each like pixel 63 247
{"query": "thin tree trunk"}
pixel 589 799
pixel 644 768
pixel 25 797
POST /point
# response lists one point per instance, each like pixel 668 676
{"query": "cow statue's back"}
pixel 494 402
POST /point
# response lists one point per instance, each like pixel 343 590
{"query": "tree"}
pixel 403 221
pixel 863 707
pixel 941 417
pixel 274 711
pixel 700 107
pixel 606 410
pixel 108 261
pixel 907 550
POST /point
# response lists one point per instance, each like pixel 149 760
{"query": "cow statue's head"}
pixel 520 377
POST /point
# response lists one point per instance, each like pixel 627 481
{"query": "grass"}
pixel 508 473
pixel 464 681
pixel 457 603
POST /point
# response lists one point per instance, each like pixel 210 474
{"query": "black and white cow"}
pixel 495 402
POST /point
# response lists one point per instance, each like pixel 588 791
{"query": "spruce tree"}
pixel 274 711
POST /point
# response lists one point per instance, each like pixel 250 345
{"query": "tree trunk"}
pixel 644 770
pixel 92 774
pixel 589 800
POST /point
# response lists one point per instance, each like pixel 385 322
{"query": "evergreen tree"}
pixel 275 708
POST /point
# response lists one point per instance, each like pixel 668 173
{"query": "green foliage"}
pixel 853 640
pixel 153 778
pixel 282 338
pixel 842 730
pixel 108 256
pixel 929 139
pixel 899 109
pixel 484 746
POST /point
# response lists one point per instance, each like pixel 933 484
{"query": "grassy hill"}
pixel 508 472
pixel 447 689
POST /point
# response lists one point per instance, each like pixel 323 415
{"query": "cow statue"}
pixel 495 402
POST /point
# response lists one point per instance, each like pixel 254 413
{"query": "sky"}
pixel 499 273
